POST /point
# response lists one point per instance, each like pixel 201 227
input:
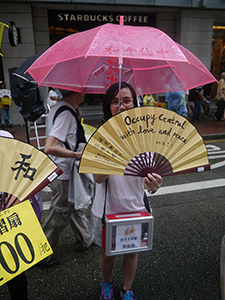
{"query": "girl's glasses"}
pixel 126 103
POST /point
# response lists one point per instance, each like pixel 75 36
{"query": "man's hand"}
pixel 78 154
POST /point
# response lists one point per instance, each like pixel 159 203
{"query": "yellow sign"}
pixel 22 241
pixel 6 101
pixel 2 25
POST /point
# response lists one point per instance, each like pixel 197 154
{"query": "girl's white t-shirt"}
pixel 124 194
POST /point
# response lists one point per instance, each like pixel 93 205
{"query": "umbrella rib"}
pixel 48 72
pixel 20 76
pixel 92 43
pixel 153 68
pixel 90 73
pixel 172 68
pixel 38 67
pixel 135 83
pixel 47 83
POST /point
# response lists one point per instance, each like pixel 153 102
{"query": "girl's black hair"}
pixel 110 94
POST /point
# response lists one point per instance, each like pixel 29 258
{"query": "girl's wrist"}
pixel 152 192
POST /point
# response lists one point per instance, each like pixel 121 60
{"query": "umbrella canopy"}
pixel 19 72
pixel 25 92
pixel 17 76
pixel 145 57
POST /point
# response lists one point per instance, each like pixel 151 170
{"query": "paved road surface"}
pixel 184 263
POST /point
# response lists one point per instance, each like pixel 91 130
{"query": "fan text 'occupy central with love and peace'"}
pixel 149 121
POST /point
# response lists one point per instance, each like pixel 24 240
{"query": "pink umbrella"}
pixel 145 57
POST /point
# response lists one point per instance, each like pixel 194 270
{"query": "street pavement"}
pixel 185 260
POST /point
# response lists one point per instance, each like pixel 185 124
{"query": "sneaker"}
pixel 107 291
pixel 205 117
pixel 128 295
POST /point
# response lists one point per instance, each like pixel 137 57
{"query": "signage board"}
pixel 22 241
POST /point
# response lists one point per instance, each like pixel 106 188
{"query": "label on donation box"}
pixel 22 241
pixel 126 233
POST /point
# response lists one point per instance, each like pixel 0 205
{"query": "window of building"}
pixel 218 45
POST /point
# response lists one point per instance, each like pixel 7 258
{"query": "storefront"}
pixel 218 50
pixel 63 23
pixel 218 46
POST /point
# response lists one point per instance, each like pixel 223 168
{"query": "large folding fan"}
pixel 142 140
pixel 24 171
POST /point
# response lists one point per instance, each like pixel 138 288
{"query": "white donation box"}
pixel 126 233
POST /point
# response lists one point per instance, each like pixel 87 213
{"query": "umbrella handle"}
pixel 120 71
pixel 120 67
pixel 121 20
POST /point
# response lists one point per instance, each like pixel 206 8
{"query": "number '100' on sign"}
pixel 22 241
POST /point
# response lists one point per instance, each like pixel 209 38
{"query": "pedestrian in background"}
pixel 63 130
pixel 5 109
pixel 53 97
pixel 197 108
pixel 207 93
pixel 220 98
pixel 148 100
pixel 176 101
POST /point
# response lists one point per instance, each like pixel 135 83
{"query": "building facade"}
pixel 199 25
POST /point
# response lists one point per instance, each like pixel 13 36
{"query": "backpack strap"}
pixel 80 130
pixel 146 203
pixel 103 215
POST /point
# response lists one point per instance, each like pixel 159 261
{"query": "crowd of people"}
pixel 186 103
pixel 195 103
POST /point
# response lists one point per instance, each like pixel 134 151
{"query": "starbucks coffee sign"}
pixel 85 20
